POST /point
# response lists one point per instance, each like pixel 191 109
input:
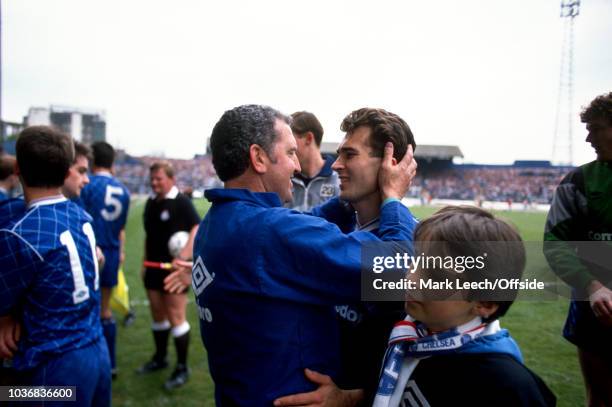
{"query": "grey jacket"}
pixel 324 186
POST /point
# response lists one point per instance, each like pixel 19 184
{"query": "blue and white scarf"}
pixel 410 342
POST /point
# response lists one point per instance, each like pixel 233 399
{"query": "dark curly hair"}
pixel 599 108
pixel 386 126
pixel 236 131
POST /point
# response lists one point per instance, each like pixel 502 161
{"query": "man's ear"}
pixel 309 138
pixel 485 308
pixel 258 158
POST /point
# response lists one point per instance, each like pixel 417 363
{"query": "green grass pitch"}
pixel 535 325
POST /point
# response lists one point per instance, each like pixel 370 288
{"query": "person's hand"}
pixel 10 332
pixel 328 394
pixel 100 258
pixel 600 298
pixel 394 178
pixel 180 278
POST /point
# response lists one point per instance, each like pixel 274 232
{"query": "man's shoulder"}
pixel 183 199
pixel 98 181
pixel 598 175
pixel 491 367
pixel 499 375
pixel 17 251
pixel 593 173
pixel 293 223
pixel 182 204
pixel 94 189
pixel 252 215
pixel 39 226
pixel 75 210
pixel 113 180
pixel 60 213
pixel 10 210
pixel 575 176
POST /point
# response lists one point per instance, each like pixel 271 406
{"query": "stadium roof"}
pixel 439 152
pixel 423 150
pixel 328 147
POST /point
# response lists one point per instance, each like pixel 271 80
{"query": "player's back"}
pixel 48 270
pixel 107 200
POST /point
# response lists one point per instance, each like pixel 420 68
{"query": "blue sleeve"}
pixel 18 264
pixel 337 212
pixel 396 222
pixel 308 259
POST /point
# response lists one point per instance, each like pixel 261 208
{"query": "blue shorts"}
pixel 86 368
pixel 583 329
pixel 108 275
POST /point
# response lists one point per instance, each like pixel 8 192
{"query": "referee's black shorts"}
pixel 154 279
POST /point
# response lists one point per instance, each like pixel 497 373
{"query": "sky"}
pixel 480 74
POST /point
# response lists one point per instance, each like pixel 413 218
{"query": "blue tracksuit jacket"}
pixel 266 280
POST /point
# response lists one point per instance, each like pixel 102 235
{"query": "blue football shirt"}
pixel 49 279
pixel 107 200
pixel 10 209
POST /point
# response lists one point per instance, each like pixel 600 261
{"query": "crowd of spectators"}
pixel 506 184
pixel 532 185
pixel 192 174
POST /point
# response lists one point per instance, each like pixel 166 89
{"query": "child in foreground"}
pixel 453 352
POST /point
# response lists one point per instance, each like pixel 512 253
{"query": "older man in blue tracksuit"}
pixel 267 278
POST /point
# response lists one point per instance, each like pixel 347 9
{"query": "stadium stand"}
pixel 514 183
pixel 438 177
pixel 197 173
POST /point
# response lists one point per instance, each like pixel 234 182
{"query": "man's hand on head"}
pixel 394 178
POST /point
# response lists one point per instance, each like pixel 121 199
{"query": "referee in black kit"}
pixel 168 211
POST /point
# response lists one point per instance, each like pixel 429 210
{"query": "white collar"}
pixel 103 173
pixel 368 226
pixel 48 200
pixel 172 194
